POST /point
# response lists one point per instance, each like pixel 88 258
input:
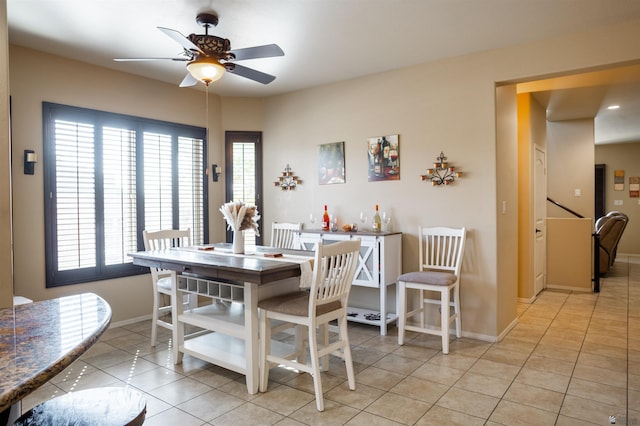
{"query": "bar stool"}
pixel 441 251
pixel 110 406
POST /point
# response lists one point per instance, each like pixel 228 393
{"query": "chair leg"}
pixel 301 350
pixel 265 349
pixel 456 309
pixel 346 352
pixel 315 367
pixel 324 334
pixel 402 311
pixel 444 319
pixel 423 310
pixel 154 318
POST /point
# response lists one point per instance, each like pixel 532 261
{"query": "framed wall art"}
pixel 634 187
pixel 383 156
pixel 618 180
pixel 331 163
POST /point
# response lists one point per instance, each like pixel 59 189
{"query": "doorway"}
pixel 600 191
pixel 243 176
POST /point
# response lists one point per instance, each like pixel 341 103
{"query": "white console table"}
pixel 380 263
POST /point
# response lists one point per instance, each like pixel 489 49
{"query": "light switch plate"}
pixel 617 202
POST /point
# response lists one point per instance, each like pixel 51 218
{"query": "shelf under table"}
pixel 361 316
pixel 219 349
pixel 222 316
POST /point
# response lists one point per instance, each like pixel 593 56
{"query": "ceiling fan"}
pixel 208 56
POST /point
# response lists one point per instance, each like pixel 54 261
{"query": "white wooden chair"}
pixel 161 279
pixel 285 235
pixel 441 252
pixel 333 272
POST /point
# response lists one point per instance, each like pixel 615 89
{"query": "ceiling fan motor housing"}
pixel 211 45
pixel 207 19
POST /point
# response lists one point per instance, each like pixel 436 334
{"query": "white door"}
pixel 540 214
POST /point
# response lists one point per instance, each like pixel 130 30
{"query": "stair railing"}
pixel 596 247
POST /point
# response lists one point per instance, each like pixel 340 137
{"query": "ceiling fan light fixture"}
pixel 206 69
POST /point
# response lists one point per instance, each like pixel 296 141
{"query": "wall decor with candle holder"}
pixel 287 181
pixel 442 173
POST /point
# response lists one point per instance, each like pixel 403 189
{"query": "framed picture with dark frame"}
pixel 331 163
pixel 383 153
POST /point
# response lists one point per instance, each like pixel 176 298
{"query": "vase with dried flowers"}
pixel 240 217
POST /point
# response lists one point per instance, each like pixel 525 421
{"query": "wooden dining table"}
pixel 234 283
pixel 38 340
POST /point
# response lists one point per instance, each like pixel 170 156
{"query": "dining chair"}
pixel 441 251
pixel 285 235
pixel 333 272
pixel 161 278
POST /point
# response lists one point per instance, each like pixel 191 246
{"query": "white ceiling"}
pixel 324 40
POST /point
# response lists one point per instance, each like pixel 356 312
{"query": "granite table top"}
pixel 38 340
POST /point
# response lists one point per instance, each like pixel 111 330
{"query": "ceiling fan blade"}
pixel 249 73
pixel 266 51
pixel 182 40
pixel 188 81
pixel 150 59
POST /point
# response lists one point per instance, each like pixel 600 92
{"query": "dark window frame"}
pixel 100 119
pixel 254 137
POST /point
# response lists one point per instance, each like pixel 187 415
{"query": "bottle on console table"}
pixel 325 219
pixel 376 225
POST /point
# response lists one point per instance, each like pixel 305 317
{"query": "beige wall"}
pixel 570 166
pixel 79 84
pixel 6 267
pixel 448 106
pixel 622 156
pixel 434 107
pixel 569 253
pixel 507 207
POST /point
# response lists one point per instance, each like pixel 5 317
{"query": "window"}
pixel 108 177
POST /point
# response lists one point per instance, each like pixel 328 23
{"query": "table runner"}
pixel 305 262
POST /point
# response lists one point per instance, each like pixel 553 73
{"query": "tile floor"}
pixel 573 358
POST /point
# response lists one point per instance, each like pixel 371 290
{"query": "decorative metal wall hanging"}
pixel 441 173
pixel 287 181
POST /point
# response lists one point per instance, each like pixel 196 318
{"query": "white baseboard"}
pixel 568 288
pixel 452 331
pixel 527 301
pixel 130 321
pixel 507 329
pixel 483 337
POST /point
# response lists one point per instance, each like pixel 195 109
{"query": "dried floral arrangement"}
pixel 240 216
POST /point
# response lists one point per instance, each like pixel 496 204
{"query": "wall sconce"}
pixel 441 173
pixel 30 160
pixel 215 172
pixel 287 181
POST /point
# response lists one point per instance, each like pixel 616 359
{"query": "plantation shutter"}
pixel 190 188
pixel 158 177
pixel 244 180
pixel 76 195
pixel 119 164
